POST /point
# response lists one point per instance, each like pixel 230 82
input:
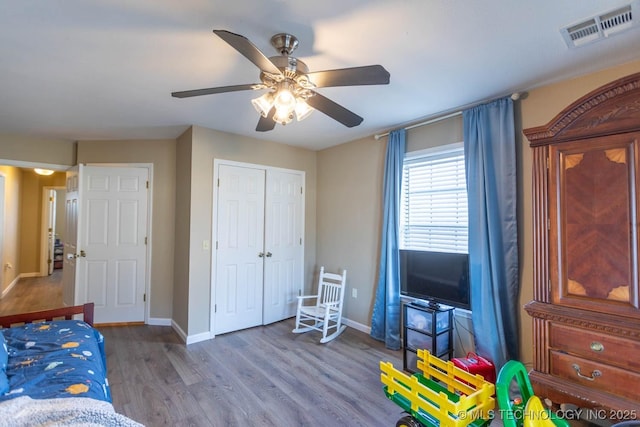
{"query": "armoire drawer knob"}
pixel 596 346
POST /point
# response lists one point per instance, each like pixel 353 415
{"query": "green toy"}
pixel 514 410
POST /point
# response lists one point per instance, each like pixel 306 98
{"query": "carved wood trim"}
pixel 607 324
pixel 610 109
pixel 540 221
pixel 540 352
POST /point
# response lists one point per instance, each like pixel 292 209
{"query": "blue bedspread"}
pixel 63 358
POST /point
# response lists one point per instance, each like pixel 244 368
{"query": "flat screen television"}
pixel 436 277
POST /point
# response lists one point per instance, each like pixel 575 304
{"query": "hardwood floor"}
pixel 33 294
pixel 263 376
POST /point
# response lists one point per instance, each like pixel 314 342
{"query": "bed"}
pixel 53 370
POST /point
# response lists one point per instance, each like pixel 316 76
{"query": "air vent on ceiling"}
pixel 601 26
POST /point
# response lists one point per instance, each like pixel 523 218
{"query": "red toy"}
pixel 475 364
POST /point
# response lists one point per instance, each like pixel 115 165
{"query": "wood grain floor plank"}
pixel 263 376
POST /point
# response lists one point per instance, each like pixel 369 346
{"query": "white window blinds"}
pixel 433 212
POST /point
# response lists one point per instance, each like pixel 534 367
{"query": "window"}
pixel 433 205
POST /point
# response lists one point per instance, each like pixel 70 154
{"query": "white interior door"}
pixel 112 257
pixel 51 229
pixel 239 254
pixel 70 241
pixel 2 195
pixel 284 232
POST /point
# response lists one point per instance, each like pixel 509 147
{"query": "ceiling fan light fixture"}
pixel 285 100
pixel 303 110
pixel 283 116
pixel 263 104
pixel 285 104
pixel 44 172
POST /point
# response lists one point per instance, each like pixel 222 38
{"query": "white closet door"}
pixel 284 233
pixel 240 242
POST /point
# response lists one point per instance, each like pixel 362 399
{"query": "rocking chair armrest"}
pixel 307 296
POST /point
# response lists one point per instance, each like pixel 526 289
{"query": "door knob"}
pixel 82 254
pixel 269 254
pixel 261 254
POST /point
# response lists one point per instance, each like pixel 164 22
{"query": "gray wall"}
pixel 162 154
pixel 205 146
pixel 37 150
pixel 350 208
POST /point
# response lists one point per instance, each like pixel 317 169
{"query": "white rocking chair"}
pixel 326 314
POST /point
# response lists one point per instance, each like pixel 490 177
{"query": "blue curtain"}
pixel 490 157
pixel 385 319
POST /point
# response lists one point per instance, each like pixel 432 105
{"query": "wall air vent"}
pixel 602 26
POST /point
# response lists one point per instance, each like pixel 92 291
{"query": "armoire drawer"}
pixel 595 346
pixel 596 375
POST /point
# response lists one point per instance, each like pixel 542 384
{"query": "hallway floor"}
pixel 33 294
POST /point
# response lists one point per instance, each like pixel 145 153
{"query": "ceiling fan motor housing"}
pixel 284 43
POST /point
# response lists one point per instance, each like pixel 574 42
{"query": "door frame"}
pixel 147 273
pixel 214 222
pixel 3 183
pixel 44 232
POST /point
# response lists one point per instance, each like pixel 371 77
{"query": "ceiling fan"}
pixel 291 87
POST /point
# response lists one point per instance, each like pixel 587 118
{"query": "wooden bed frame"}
pixel 66 312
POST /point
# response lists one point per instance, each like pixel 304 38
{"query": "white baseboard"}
pixel 355 325
pixel 179 331
pixel 204 336
pixel 12 284
pixel 190 339
pixel 159 321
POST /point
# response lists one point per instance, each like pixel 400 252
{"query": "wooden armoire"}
pixel 586 207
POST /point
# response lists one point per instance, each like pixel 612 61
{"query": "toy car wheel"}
pixel 408 421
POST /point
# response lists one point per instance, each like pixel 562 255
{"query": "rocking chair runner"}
pixel 326 314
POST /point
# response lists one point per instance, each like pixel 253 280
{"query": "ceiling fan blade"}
pixel 266 123
pixel 333 110
pixel 249 50
pixel 212 90
pixel 356 76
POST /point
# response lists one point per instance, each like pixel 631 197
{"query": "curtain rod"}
pixel 514 96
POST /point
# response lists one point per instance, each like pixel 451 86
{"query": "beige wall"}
pixel 182 233
pixel 18 150
pixel 207 145
pixel 37 150
pixel 11 239
pixel 350 177
pixel 160 153
pixel 30 223
pixel 350 208
pixel 349 218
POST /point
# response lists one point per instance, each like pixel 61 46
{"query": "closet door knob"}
pixel 261 254
pixel 269 254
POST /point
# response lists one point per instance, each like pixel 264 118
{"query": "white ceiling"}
pixel 105 69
